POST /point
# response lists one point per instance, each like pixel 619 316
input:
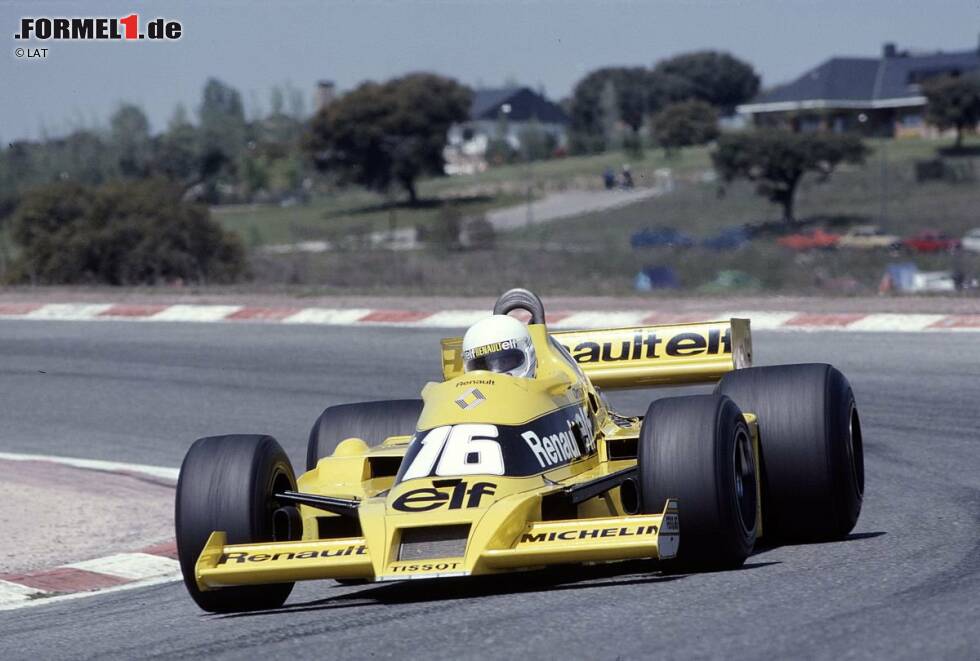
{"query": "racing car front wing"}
pixel 540 543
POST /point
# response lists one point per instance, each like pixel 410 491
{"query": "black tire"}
pixel 227 483
pixel 520 299
pixel 698 450
pixel 810 445
pixel 371 421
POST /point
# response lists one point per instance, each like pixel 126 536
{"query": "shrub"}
pixel 444 233
pixel 478 234
pixel 120 234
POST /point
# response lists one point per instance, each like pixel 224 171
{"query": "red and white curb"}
pixel 761 319
pixel 147 566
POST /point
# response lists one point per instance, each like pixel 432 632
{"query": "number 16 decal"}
pixel 465 450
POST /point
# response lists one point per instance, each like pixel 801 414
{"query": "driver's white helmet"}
pixel 499 344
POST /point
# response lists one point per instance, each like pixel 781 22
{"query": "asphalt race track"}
pixel 906 584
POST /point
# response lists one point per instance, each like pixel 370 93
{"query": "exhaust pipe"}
pixel 287 524
pixel 629 495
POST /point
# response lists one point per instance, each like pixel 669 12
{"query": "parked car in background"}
pixel 931 240
pixel 660 237
pixel 811 239
pixel 730 238
pixel 869 237
pixel 971 240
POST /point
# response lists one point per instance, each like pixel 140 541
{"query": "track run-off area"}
pixel 906 584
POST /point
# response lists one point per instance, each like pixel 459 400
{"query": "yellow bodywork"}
pixel 440 525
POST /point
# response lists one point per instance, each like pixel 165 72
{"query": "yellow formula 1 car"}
pixel 490 473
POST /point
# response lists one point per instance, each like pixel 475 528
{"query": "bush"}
pixel 536 143
pixel 499 152
pixel 120 234
pixel 633 146
pixel 478 234
pixel 443 234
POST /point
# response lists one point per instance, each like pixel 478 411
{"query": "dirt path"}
pixel 553 206
pixel 565 204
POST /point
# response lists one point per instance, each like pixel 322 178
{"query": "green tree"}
pixel 536 143
pixel 720 79
pixel 587 128
pixel 120 234
pixel 81 156
pixel 178 150
pixel 954 102
pixel 224 131
pixel 609 109
pixel 296 102
pixel 277 102
pixel 776 161
pixel 253 174
pixel 391 133
pixel 499 152
pixel 130 133
pixel 685 124
pixel 607 96
pixel 664 89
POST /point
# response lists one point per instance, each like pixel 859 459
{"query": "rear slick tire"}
pixel 698 449
pixel 811 448
pixel 228 483
pixel 372 422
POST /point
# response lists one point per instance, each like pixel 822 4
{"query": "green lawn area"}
pixel 590 254
pixel 699 209
pixel 353 211
pixel 357 210
pixel 702 209
pixel 579 171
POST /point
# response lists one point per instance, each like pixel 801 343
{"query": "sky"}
pixel 256 45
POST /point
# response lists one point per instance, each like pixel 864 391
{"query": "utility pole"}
pixel 530 186
pixel 883 192
pixel 882 170
pixel 534 137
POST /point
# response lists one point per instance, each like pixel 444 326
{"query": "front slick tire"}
pixel 228 483
pixel 698 449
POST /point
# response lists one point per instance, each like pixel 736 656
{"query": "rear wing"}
pixel 645 356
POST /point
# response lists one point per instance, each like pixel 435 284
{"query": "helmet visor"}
pixel 503 361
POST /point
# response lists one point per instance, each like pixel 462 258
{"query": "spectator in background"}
pixel 609 178
pixel 959 274
pixel 627 177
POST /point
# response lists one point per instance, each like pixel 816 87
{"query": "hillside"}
pixel 591 253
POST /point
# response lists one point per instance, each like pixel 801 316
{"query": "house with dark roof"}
pixel 505 114
pixel 524 105
pixel 876 96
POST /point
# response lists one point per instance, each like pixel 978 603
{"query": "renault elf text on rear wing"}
pixel 645 356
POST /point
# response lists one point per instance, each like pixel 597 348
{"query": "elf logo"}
pixel 456 493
